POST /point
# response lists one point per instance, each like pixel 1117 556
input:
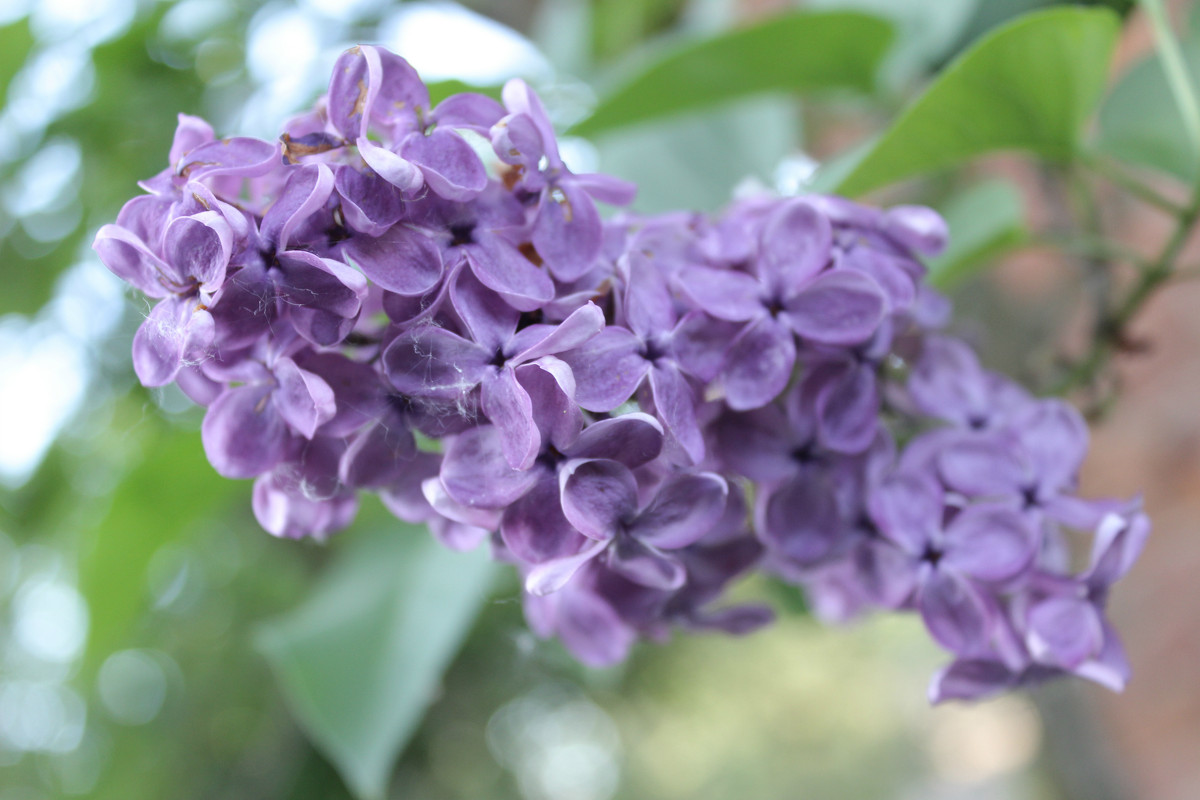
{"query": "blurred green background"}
pixel 154 643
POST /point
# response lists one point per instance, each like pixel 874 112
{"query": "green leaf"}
pixel 172 489
pixel 985 221
pixel 361 659
pixel 15 44
pixel 440 90
pixel 694 160
pixel 1140 122
pixel 1028 86
pixel 925 31
pixel 794 52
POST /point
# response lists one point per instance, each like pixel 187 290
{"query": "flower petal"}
pixel 598 496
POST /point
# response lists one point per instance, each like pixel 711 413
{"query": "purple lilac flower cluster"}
pixel 423 301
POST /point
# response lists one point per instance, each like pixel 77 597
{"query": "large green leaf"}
pixel 15 44
pixel 694 160
pixel 985 221
pixel 794 52
pixel 362 658
pixel 158 501
pixel 1028 86
pixel 925 31
pixel 1140 122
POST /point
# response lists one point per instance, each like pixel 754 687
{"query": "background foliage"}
pixel 155 643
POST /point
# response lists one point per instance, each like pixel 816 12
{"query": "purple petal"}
pixel 1055 438
pixel 502 268
pixel 607 369
pixel 991 543
pixel 983 467
pixel 758 364
pixel 795 245
pixel 567 232
pixel 348 94
pixel 198 249
pixel 550 576
pixel 288 513
pixel 674 402
pixel 971 679
pixel 243 433
pixel 847 407
pixel 649 307
pixel 757 444
pixel 840 307
pixel 490 321
pixel 128 257
pixel 685 508
pixel 606 188
pixel 190 133
pixel 445 505
pixel 303 399
pixel 428 361
pixel 520 99
pixel 728 295
pixel 1110 668
pixel 1118 543
pixel 401 260
pixel 947 382
pixel 304 193
pixel 369 204
pixel 394 90
pixel 322 296
pixel 907 507
pixel 534 527
pixel 175 329
pixel 476 473
pixel 645 565
pixel 922 230
pixel 578 328
pixel 551 387
pixel 517 140
pixel 400 172
pixel 954 613
pixel 377 456
pixel 598 496
pixel 451 168
pixel 509 408
pixel 476 112
pixel 632 439
pixel 1064 632
pixel 799 520
pixel 238 157
pixel 699 343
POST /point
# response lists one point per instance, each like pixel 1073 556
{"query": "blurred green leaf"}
pixel 694 160
pixel 125 131
pixel 795 52
pixel 440 90
pixel 1140 122
pixel 925 31
pixel 985 220
pixel 361 659
pixel 618 27
pixel 15 44
pixel 1028 86
pixel 172 489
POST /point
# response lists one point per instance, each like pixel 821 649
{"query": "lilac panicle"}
pixel 634 412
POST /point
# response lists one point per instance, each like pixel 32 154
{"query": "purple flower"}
pixel 956 556
pixel 791 292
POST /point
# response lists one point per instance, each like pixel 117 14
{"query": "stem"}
pixel 1115 321
pixel 1129 183
pixel 1176 69
pixel 1090 247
